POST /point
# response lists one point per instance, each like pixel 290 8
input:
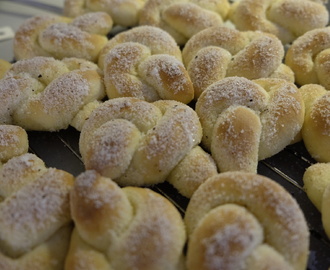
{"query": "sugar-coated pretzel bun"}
pixel 238 220
pixel 4 66
pixel 35 219
pixel 317 186
pixel 184 18
pixel 245 121
pixel 287 19
pixel 130 70
pixel 316 128
pixel 135 142
pixel 219 52
pixel 61 37
pixel 309 57
pixel 156 39
pixel 128 228
pixel 42 93
pixel 124 12
pixel 13 142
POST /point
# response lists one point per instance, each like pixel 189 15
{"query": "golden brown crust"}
pixel 287 19
pixel 316 128
pixel 157 40
pixel 248 120
pixel 60 37
pixel 13 142
pixel 317 186
pixel 35 218
pixel 236 218
pixel 131 71
pixel 183 19
pixel 42 93
pixel 137 143
pixel 123 228
pixel 308 57
pixel 219 52
pixel 124 12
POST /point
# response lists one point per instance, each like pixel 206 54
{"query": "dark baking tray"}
pixel 61 150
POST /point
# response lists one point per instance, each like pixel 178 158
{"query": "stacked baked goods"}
pixel 190 92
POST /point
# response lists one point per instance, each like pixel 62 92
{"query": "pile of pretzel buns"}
pixel 193 92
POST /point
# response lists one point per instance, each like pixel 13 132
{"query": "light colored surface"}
pixel 13 13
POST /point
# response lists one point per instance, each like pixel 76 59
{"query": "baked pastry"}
pixel 287 19
pixel 309 57
pixel 317 186
pixel 159 42
pixel 42 93
pixel 35 219
pixel 145 63
pixel 124 12
pixel 219 52
pixel 135 142
pixel 13 142
pixel 128 228
pixel 316 128
pixel 4 66
pixel 245 121
pixel 61 37
pixel 238 220
pixel 184 18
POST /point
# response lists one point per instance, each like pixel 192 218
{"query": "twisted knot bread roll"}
pixel 219 52
pixel 13 142
pixel 287 19
pixel 239 220
pixel 317 186
pixel 35 220
pixel 316 128
pixel 135 142
pixel 61 37
pixel 145 63
pixel 309 57
pixel 245 121
pixel 42 93
pixel 129 228
pixel 184 18
pixel 4 66
pixel 124 12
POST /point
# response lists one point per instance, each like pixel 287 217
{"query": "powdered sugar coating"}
pixel 168 130
pixel 276 102
pixel 283 223
pixel 42 93
pixel 125 226
pixel 35 207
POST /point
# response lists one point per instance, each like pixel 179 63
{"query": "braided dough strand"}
pixel 238 220
pixel 245 121
pixel 183 19
pixel 135 142
pixel 317 186
pixel 34 214
pixel 61 37
pixel 316 128
pixel 287 19
pixel 42 93
pixel 123 228
pixel 219 52
pixel 13 142
pixel 308 57
pixel 123 12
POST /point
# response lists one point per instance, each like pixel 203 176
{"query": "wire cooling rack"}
pixel 61 149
